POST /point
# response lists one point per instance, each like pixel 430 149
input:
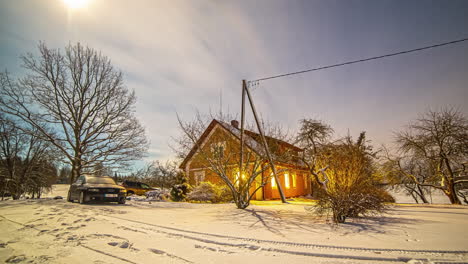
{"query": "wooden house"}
pixel 221 142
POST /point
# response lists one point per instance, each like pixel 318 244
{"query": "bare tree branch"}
pixel 79 103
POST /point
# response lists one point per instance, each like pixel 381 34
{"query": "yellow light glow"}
pixel 238 179
pixel 273 182
pixel 75 4
pixel 286 180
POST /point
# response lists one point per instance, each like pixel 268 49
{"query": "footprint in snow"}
pixel 124 245
pixel 16 259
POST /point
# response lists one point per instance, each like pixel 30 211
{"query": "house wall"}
pixel 218 135
pixel 199 163
pixel 301 188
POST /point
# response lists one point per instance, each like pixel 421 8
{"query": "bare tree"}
pixel 157 173
pixel 395 170
pixel 78 102
pixel 26 161
pixel 64 174
pixel 222 157
pixel 164 174
pixel 99 169
pixel 313 136
pixel 440 138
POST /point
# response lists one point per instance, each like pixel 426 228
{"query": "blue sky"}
pixel 180 55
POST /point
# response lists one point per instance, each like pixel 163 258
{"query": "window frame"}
pixel 218 149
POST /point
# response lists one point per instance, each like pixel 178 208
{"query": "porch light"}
pixel 237 180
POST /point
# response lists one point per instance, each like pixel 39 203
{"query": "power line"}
pixel 357 61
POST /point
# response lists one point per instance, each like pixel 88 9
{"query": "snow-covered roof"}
pixel 251 139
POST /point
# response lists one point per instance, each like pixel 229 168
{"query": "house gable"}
pixel 219 135
pixel 216 132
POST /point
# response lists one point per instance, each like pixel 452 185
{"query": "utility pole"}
pixel 241 168
pixel 245 90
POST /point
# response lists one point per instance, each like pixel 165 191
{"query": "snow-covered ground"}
pixel 54 231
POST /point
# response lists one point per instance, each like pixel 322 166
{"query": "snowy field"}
pixel 54 231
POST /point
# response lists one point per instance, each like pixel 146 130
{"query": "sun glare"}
pixel 75 4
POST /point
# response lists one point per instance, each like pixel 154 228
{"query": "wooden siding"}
pixel 197 162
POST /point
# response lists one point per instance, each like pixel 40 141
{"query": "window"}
pixel 199 176
pixel 273 181
pixel 145 186
pixel 294 178
pixel 305 180
pixel 218 149
pixel 286 180
pixel 131 184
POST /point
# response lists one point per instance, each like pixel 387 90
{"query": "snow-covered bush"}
pixel 208 192
pixel 224 194
pixel 158 195
pixel 350 185
pixel 353 203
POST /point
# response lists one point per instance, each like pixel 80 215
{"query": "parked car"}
pixel 92 188
pixel 138 188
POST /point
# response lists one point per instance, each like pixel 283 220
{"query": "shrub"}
pixel 350 185
pixel 158 195
pixel 208 192
pixel 224 194
pixel 353 204
pixel 179 192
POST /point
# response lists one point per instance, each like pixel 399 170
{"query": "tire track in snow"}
pixel 107 254
pixel 161 252
pixel 299 253
pixel 258 248
pixel 294 244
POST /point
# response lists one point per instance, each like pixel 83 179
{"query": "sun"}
pixel 75 4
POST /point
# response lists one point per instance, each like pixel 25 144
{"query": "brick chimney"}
pixel 235 124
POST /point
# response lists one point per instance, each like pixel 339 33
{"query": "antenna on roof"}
pixel 221 102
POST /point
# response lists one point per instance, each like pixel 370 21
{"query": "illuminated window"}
pixel 305 180
pixel 294 183
pixel 273 182
pixel 286 180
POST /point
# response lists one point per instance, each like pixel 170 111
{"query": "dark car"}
pixel 138 188
pixel 93 188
